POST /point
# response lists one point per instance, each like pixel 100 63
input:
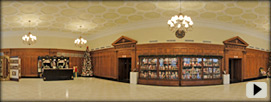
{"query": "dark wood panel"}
pixel 201 82
pixel 159 82
pixel 104 63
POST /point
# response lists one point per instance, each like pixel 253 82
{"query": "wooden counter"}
pixel 58 74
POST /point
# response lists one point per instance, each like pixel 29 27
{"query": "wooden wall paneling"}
pixel 29 58
pixel 255 60
pixel 107 66
pixel 34 67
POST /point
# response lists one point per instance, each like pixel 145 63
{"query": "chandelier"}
pixel 79 42
pixel 180 24
pixel 29 38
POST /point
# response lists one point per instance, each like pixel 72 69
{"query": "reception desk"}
pixel 57 74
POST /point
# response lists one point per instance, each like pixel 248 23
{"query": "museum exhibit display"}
pixel 4 67
pixel 15 68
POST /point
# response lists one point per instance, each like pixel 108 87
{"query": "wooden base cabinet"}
pixel 159 82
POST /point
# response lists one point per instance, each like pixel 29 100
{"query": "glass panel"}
pixel 187 66
pixel 173 64
pixel 168 68
pixel 173 68
pixel 192 68
pixel 207 69
pixel 196 68
pixel 143 74
pixel 152 68
pixel 152 74
pixel 148 68
pixel 216 69
pixel 162 65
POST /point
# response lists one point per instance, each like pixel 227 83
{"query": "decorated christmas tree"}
pixel 87 68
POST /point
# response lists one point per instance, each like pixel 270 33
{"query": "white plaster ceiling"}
pixel 98 16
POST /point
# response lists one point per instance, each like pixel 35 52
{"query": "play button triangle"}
pixel 256 89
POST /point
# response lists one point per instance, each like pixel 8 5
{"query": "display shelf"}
pixel 168 68
pixel 187 69
pixel 148 68
pixel 15 68
pixel 192 68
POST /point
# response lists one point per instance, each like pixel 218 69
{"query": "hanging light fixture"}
pixel 79 42
pixel 180 24
pixel 29 38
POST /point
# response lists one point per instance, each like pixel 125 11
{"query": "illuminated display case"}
pixel 148 68
pixel 192 68
pixel 200 68
pixel 180 69
pixel 168 68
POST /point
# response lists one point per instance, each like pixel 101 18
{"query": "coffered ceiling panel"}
pixel 96 16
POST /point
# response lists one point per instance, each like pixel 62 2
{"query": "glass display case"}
pixel 148 68
pixel 216 69
pixel 168 68
pixel 192 68
pixel 207 68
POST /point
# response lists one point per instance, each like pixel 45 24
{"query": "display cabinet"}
pixel 216 68
pixel 4 68
pixel 192 68
pixel 15 68
pixel 185 69
pixel 168 68
pixel 207 68
pixel 148 68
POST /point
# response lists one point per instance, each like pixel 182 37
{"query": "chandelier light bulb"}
pixel 190 23
pixel 29 39
pixel 179 25
pixel 169 22
pixel 186 26
pixel 181 17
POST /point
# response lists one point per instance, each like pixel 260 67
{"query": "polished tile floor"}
pixel 94 89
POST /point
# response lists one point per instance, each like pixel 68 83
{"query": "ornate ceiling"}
pixel 96 16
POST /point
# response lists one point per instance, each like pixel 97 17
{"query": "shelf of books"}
pixel 168 68
pixel 148 68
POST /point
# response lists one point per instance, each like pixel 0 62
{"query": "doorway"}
pixel 235 70
pixel 124 69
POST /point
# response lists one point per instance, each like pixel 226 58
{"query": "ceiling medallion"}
pixel 180 24
pixel 29 38
pixel 79 42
